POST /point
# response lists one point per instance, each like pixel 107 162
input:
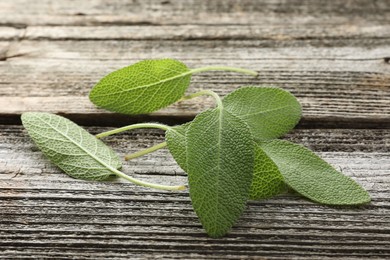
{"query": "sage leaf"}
pixel 220 159
pixel 312 177
pixel 267 179
pixel 70 147
pixel 177 143
pixel 270 112
pixel 143 87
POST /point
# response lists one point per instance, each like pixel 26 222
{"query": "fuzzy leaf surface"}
pixel 269 112
pixel 177 144
pixel 70 147
pixel 143 87
pixel 312 177
pixel 267 179
pixel 220 160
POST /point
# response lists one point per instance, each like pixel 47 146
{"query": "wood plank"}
pixel 47 214
pixel 336 86
pixel 208 32
pixel 333 55
pixel 319 140
pixel 363 114
pixel 22 13
pixel 194 50
pixel 113 54
pixel 202 32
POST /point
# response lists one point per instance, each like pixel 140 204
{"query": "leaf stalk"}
pixel 206 93
pixel 146 151
pixel 147 184
pixel 131 127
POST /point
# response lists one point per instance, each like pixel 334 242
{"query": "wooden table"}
pixel 333 55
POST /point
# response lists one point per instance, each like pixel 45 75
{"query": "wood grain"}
pixel 332 55
pixel 47 209
pixel 57 77
pixel 23 13
pixel 200 32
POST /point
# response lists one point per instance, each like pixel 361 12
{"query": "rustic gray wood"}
pixel 57 76
pixel 333 55
pixel 23 13
pixel 197 32
pixel 46 209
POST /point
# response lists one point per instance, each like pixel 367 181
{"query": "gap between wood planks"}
pixel 116 120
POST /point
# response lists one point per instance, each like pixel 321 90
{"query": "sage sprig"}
pixel 229 152
pixel 148 85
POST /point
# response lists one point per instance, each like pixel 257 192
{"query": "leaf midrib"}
pixel 220 110
pixel 82 148
pixel 189 72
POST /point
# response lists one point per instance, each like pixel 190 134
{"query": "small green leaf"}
pixel 74 150
pixel 311 176
pixel 143 87
pixel 220 168
pixel 177 143
pixel 269 112
pixel 267 180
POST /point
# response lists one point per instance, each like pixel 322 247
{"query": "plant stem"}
pixel 146 151
pixel 147 184
pixel 135 126
pixel 131 179
pixel 203 92
pixel 225 68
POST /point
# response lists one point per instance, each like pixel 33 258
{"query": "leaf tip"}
pixel 23 116
pixel 28 117
pixel 366 198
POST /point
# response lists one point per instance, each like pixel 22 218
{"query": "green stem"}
pixel 131 179
pixel 147 184
pixel 135 126
pixel 146 151
pixel 225 68
pixel 201 93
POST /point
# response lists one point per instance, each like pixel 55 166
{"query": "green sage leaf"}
pixel 220 168
pixel 312 177
pixel 70 147
pixel 177 143
pixel 270 112
pixel 143 87
pixel 267 179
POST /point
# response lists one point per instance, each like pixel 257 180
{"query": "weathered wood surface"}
pixel 57 76
pixel 333 55
pixel 43 208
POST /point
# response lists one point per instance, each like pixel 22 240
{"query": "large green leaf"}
pixel 311 176
pixel 270 112
pixel 267 180
pixel 143 87
pixel 74 150
pixel 220 159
